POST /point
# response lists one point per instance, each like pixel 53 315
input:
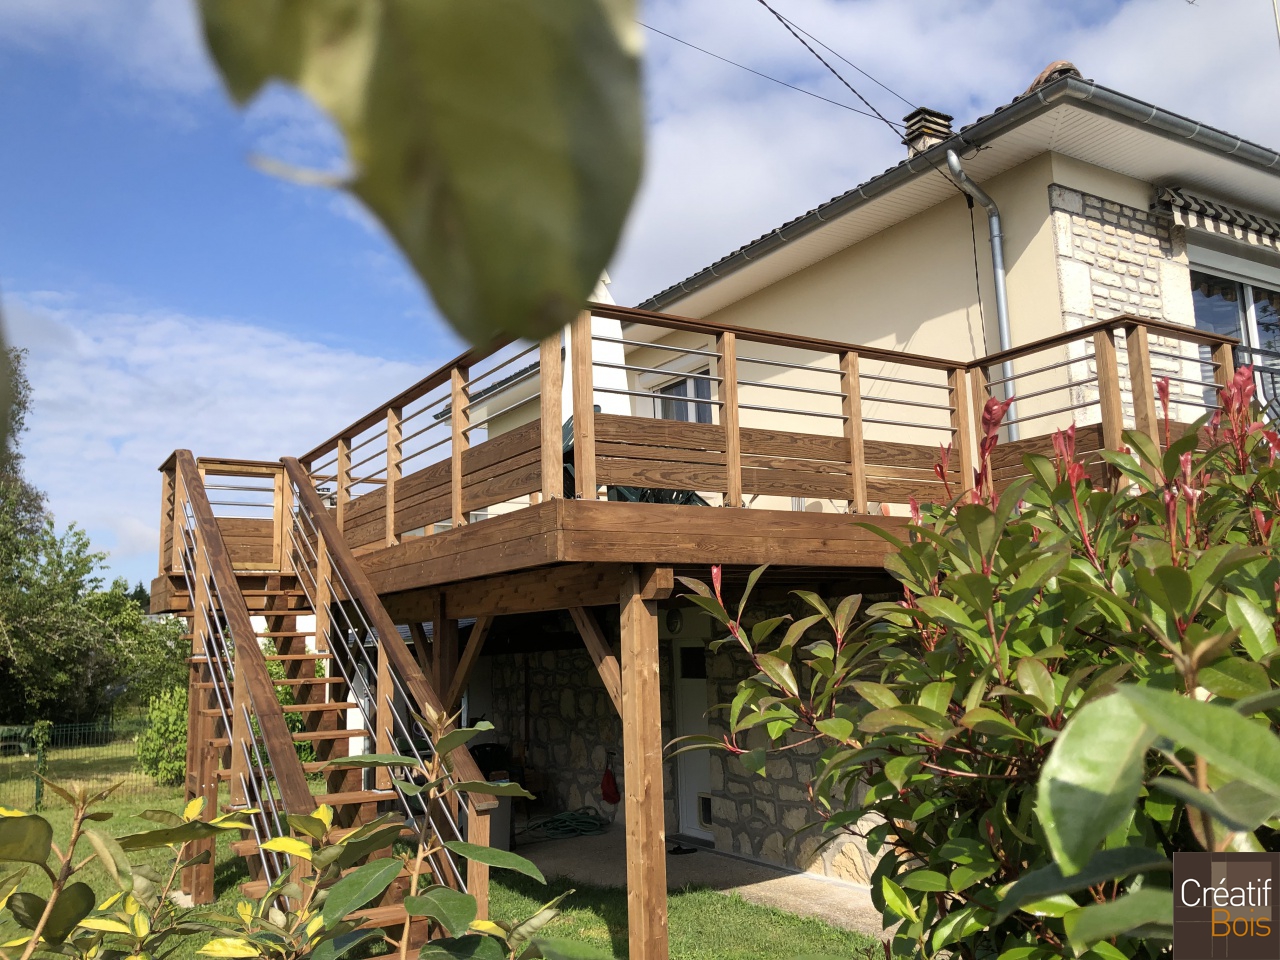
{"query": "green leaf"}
pixel 370 761
pixel 502 859
pixel 524 931
pixel 26 839
pixel 985 720
pixel 1234 678
pixel 837 728
pixel 957 925
pixel 1257 703
pixel 452 909
pixel 74 904
pixel 492 789
pixel 313 827
pixel 460 737
pixel 339 946
pixel 1257 633
pixel 359 887
pixel 927 881
pixel 500 144
pixel 194 830
pixel 1092 779
pixel 1035 680
pixel 1237 804
pixel 779 671
pixel 877 694
pixel 1048 881
pixel 113 859
pixel 937 697
pixel 1238 747
pixel 293 847
pixel 1102 921
pixel 896 900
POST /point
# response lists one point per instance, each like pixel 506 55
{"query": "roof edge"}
pixel 976 134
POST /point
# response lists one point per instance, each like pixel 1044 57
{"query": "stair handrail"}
pixel 251 665
pixel 362 591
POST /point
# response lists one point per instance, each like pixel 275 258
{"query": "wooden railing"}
pixel 627 404
pixel 229 680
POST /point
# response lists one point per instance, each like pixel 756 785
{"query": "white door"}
pixel 693 768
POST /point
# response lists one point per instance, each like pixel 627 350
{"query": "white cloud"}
pixel 114 393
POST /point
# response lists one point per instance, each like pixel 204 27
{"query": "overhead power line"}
pixel 895 127
pixel 817 96
pixel 839 55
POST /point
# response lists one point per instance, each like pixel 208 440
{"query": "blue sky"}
pixel 170 294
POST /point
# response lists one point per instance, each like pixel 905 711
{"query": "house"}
pixel 504 536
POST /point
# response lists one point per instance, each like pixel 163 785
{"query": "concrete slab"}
pixel 601 860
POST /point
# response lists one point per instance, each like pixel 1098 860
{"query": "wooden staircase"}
pixel 272 710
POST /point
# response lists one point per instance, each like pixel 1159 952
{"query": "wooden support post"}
pixel 962 437
pixel 851 407
pixel 584 415
pixel 422 651
pixel 344 479
pixel 1224 369
pixel 551 368
pixel 478 826
pixel 444 645
pixel 475 644
pixel 395 438
pixel 727 348
pixel 601 653
pixel 1109 400
pixel 642 755
pixel 1142 382
pixel 460 417
pixel 168 515
pixel 323 596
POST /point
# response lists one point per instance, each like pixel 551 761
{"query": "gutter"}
pixel 1086 92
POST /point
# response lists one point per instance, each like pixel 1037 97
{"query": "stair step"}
pixel 285 633
pixel 354 796
pixel 319 707
pixel 331 706
pixel 307 736
pixel 292 682
pixel 285 657
pixel 249 847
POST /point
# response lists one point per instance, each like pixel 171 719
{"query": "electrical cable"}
pixel 977 276
pixel 839 55
pixel 810 93
pixel 583 822
pixel 895 127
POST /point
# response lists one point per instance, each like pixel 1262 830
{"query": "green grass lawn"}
pixel 95 767
pixel 704 924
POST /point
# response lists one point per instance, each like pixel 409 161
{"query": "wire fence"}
pixel 91 755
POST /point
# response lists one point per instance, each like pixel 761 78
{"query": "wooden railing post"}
pixel 383 717
pixel 168 520
pixel 1224 369
pixel 551 371
pixel 981 391
pixel 1142 382
pixel 459 417
pixel 851 407
pixel 584 416
pixel 1109 398
pixel 343 471
pixel 395 438
pixel 962 437
pixel 727 348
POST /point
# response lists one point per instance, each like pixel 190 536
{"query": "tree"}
pixel 69 647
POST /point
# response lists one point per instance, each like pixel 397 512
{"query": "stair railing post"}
pixel 727 350
pixel 395 439
pixel 551 370
pixel 1224 364
pixel 460 418
pixel 478 832
pixel 384 716
pixel 851 408
pixel 584 411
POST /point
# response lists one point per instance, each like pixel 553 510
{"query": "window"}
pixel 678 400
pixel 1248 311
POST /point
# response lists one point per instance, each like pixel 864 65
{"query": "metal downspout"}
pixel 997 264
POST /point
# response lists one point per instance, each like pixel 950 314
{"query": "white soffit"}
pixel 1071 128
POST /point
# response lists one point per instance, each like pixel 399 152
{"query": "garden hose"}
pixel 583 822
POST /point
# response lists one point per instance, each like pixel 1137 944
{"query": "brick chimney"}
pixel 925 128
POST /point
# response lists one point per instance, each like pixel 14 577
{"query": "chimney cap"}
pixel 926 127
pixel 1054 71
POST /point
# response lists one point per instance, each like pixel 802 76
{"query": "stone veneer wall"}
pixel 1114 259
pixel 573 726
